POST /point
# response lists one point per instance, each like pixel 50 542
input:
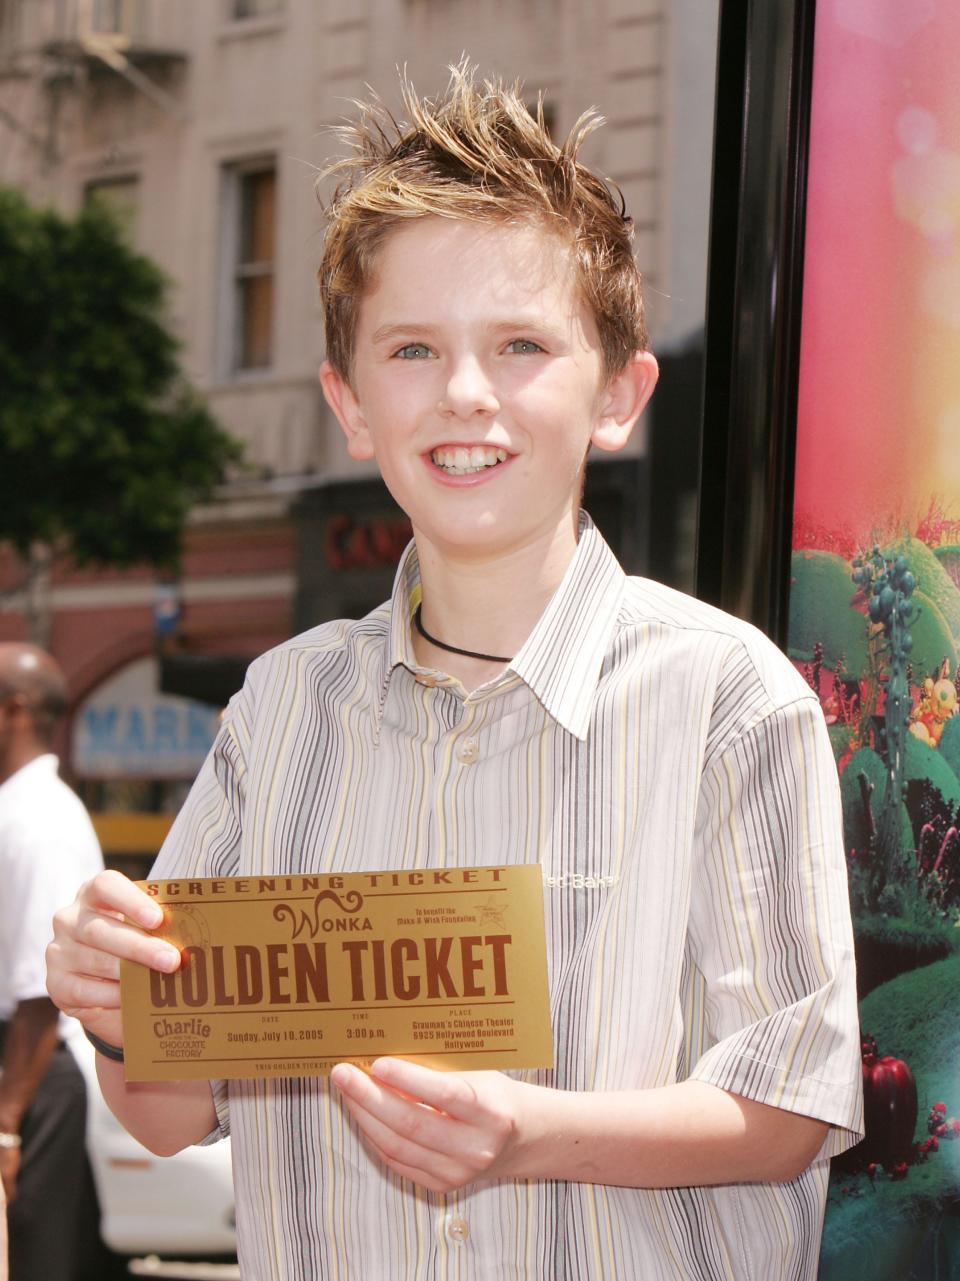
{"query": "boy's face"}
pixel 478 385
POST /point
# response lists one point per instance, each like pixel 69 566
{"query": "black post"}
pixel 755 280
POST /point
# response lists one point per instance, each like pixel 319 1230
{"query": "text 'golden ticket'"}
pixel 288 975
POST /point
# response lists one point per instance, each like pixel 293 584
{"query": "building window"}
pixel 255 8
pixel 121 199
pixel 251 208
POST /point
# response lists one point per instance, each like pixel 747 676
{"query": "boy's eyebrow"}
pixel 529 324
pixel 400 331
pixel 515 325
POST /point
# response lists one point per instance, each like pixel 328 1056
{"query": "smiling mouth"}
pixel 458 460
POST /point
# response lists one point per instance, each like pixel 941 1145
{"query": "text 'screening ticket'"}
pixel 288 975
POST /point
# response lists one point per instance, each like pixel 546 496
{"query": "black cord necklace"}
pixel 454 649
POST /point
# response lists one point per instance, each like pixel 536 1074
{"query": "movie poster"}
pixel 875 595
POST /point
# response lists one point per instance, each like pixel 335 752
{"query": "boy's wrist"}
pixel 109 1051
pixel 538 1130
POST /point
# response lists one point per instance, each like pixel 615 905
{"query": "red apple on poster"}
pixel 889 1109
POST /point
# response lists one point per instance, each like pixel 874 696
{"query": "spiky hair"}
pixel 475 152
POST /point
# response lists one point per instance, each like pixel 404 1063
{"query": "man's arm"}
pixel 31 1040
pixel 91 937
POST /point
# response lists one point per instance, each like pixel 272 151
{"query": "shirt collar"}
pixel 398 648
pixel 562 657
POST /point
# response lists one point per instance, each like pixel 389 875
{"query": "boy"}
pixel 519 700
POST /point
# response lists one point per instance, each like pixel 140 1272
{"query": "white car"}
pixel 172 1206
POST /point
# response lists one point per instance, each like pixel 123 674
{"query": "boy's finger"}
pixel 450 1092
pixel 78 994
pixel 424 1162
pixel 424 1178
pixel 359 1086
pixel 393 1113
pixel 126 942
pixel 92 962
pixel 111 891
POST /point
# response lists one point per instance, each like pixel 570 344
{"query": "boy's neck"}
pixel 488 605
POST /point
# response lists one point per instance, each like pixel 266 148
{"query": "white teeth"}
pixel 458 460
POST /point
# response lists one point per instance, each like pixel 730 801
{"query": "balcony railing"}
pixel 136 28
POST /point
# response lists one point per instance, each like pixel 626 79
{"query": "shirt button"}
pixel 458 1229
pixel 468 751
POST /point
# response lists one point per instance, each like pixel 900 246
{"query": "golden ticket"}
pixel 288 975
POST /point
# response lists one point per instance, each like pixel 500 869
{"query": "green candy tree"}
pixel 889 585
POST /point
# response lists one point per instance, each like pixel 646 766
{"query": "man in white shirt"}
pixel 47 849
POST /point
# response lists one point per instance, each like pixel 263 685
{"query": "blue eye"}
pixel 414 351
pixel 524 347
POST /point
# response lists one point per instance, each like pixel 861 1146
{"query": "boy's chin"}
pixel 469 539
pixel 491 538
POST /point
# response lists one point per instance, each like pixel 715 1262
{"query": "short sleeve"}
pixel 221 1103
pixel 770 931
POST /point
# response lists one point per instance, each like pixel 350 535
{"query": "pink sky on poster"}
pixel 879 399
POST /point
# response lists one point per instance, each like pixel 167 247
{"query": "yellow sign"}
pixel 288 975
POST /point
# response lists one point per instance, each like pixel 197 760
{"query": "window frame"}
pixel 234 271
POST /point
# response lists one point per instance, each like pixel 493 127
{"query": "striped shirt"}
pixel 672 774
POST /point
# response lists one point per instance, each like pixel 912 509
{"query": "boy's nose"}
pixel 469 390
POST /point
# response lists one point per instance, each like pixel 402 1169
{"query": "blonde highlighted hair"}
pixel 475 152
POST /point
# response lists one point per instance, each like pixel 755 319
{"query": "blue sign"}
pixel 129 730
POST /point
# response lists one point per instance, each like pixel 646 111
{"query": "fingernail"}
pixel 152 917
pixel 168 959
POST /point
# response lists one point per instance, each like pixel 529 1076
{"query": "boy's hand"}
pixel 91 936
pixel 443 1130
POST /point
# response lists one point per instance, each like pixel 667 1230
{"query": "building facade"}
pixel 204 127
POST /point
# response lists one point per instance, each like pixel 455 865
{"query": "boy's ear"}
pixel 623 400
pixel 340 397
